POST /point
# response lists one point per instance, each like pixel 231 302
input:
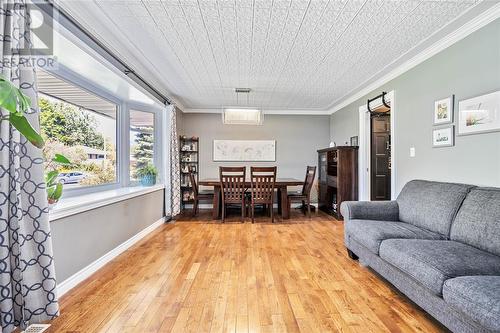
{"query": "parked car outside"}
pixel 71 177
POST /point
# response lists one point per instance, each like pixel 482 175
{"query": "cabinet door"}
pixel 323 164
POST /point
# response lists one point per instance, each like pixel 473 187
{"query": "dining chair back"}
pixel 197 195
pixel 232 184
pixel 305 196
pixel 309 181
pixel 192 179
pixel 262 180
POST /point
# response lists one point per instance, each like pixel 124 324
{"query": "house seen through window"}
pixel 81 126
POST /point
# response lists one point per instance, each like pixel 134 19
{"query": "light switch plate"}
pixel 412 152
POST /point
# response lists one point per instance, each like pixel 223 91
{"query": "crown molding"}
pixel 458 34
pixel 292 112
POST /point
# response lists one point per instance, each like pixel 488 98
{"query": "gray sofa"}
pixel 439 244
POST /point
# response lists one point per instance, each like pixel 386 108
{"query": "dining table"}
pixel 281 185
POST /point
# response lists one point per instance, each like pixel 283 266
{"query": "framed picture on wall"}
pixel 443 111
pixel 479 114
pixel 244 151
pixel 443 137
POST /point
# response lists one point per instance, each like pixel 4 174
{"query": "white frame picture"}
pixel 445 104
pixel 443 136
pixel 244 150
pixel 479 114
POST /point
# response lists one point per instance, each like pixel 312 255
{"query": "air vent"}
pixel 37 328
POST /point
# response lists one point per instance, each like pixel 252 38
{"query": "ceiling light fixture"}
pixel 241 116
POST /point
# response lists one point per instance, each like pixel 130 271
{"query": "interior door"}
pixel 380 158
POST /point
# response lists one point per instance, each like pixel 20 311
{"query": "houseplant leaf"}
pixel 50 177
pixel 54 193
pixel 61 159
pixel 58 192
pixel 11 97
pixel 24 127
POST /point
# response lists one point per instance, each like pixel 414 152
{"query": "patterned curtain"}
pixel 175 180
pixel 27 276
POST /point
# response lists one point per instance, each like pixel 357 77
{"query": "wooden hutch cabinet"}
pixel 337 178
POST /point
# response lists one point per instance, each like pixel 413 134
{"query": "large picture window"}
pixel 141 142
pixel 81 126
pixel 104 124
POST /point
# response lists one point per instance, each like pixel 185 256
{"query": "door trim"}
pixel 364 150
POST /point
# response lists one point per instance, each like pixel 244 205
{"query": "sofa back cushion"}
pixel 478 220
pixel 431 205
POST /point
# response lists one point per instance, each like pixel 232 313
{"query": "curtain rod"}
pixel 85 36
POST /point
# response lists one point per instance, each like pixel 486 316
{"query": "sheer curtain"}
pixel 27 276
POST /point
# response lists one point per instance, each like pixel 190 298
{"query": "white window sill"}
pixel 75 205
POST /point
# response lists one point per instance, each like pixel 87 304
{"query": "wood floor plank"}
pixel 197 275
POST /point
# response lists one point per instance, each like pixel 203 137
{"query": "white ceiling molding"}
pixel 463 31
pixel 303 112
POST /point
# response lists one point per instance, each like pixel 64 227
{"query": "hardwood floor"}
pixel 204 276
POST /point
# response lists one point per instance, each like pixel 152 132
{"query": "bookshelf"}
pixel 189 156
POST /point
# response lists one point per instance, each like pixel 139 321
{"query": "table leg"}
pixel 285 211
pixel 216 203
pixel 279 200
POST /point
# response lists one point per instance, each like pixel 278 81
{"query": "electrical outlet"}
pixel 412 152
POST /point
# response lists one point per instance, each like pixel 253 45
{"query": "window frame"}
pixel 123 108
pixel 157 153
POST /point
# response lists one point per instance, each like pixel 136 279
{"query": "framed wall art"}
pixel 443 111
pixel 443 137
pixel 244 151
pixel 479 114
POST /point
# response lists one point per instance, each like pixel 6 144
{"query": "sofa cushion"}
pixel 431 205
pixel 371 233
pixel 478 220
pixel 476 296
pixel 431 262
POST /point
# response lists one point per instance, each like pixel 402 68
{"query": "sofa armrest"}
pixel 370 210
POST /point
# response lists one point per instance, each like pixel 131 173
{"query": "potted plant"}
pixel 147 175
pixel 54 186
pixel 17 103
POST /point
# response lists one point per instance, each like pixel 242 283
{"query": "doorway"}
pixel 377 176
pixel 380 158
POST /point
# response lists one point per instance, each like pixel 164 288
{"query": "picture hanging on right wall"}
pixel 443 137
pixel 479 114
pixel 443 111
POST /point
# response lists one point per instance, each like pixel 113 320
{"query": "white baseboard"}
pixel 72 281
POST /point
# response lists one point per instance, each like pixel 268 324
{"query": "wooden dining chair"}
pixel 262 180
pixel 305 195
pixel 198 195
pixel 232 184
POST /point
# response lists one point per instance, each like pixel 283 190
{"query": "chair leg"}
pixel 223 212
pixel 243 207
pixel 195 207
pixel 309 208
pixel 272 212
pixel 252 212
pixel 289 205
